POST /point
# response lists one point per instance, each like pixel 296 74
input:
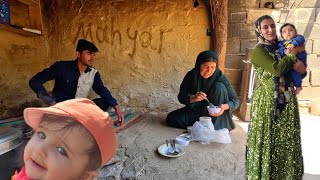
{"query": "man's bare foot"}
pixel 298 89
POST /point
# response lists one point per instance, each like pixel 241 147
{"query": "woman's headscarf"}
pixel 206 56
pixel 270 46
pixel 194 82
pixel 200 83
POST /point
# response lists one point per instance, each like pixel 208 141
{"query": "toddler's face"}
pixel 288 33
pixel 52 154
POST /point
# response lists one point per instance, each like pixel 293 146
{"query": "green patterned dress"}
pixel 274 147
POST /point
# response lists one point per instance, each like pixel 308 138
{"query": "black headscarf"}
pixel 199 83
pixel 193 82
pixel 206 56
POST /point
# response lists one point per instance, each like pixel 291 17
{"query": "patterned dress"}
pixel 274 144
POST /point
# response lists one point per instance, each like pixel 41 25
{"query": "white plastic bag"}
pixel 206 134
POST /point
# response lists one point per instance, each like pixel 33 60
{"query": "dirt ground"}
pixel 138 158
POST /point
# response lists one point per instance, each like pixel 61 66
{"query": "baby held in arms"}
pixel 290 40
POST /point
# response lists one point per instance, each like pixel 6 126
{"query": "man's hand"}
pixel 119 114
pixel 48 100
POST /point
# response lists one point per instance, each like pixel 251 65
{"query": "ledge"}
pixel 18 30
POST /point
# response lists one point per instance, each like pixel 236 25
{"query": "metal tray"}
pixel 10 138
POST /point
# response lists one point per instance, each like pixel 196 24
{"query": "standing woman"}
pixel 274 144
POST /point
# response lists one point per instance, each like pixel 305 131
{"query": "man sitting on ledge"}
pixel 74 79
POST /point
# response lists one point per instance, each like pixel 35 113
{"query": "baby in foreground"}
pixel 72 139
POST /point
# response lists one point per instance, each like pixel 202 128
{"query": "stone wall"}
pixel 145 48
pixel 303 14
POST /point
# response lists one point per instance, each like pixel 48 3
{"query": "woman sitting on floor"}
pixel 205 82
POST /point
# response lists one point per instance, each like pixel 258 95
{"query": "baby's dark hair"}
pixel 287 24
pixel 68 124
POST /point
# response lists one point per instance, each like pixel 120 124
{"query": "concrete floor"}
pixel 310 132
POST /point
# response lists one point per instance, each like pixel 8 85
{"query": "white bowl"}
pixel 183 140
pixel 213 109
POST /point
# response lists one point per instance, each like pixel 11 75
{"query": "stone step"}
pixel 304 106
pixel 309 107
pixel 315 107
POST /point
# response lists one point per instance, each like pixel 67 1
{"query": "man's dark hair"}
pixel 86 45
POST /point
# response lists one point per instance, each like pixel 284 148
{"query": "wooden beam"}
pixel 219 13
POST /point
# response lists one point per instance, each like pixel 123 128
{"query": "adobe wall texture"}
pixel 304 14
pixel 146 48
pixel 19 59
